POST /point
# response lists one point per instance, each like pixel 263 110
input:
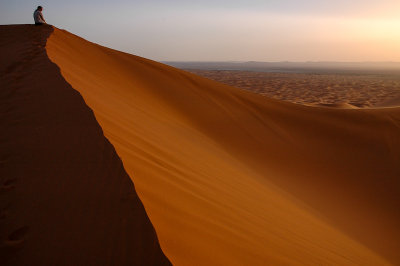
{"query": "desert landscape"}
pixel 111 158
pixel 357 90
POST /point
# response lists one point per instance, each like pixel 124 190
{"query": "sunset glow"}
pixel 230 30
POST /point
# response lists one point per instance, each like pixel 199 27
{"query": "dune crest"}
pixel 335 105
pixel 65 198
pixel 228 177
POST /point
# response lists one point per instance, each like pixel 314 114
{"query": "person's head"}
pixel 40 8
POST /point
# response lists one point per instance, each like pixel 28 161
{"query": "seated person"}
pixel 38 16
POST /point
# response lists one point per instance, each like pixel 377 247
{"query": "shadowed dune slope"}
pixel 65 198
pixel 228 177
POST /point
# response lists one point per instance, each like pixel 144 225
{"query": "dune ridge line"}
pixel 230 177
pixel 65 198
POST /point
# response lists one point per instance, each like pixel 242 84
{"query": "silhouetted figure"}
pixel 38 16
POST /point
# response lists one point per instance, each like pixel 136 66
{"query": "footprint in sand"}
pixel 3 214
pixel 17 237
pixel 8 185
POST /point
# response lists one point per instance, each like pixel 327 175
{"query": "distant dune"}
pixel 226 176
pixel 336 105
pixel 329 89
pixel 395 102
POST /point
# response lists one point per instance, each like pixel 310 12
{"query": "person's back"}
pixel 38 16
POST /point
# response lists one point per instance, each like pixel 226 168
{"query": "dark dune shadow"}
pixel 70 201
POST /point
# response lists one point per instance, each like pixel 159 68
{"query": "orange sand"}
pixel 229 177
pixel 393 102
pixel 65 198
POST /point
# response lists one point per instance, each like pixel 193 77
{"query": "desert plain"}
pixel 360 90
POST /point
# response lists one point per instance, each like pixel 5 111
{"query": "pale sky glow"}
pixel 236 30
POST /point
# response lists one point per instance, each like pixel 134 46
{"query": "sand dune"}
pixel 65 198
pixel 228 177
pixel 335 105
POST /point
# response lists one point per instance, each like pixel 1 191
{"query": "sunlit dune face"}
pixel 229 177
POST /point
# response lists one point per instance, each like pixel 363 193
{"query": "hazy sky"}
pixel 235 30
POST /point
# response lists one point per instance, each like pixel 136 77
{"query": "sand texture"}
pixel 229 177
pixel 226 176
pixel 65 198
pixel 350 90
pixel 392 102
